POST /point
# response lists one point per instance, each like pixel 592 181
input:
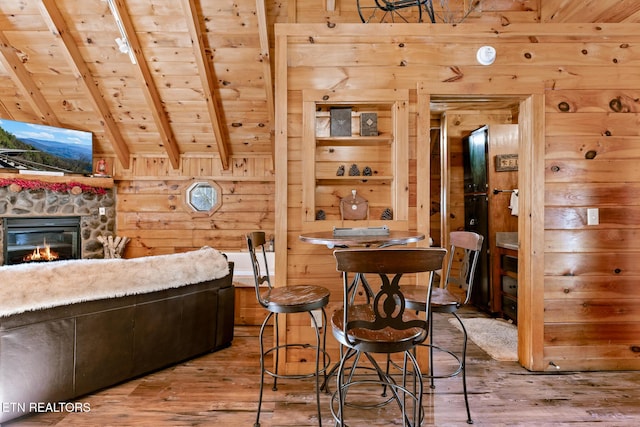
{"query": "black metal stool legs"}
pixel 276 331
pixel 317 370
pixel 346 377
pixel 320 348
pixel 462 362
pixel 262 370
pixel 463 366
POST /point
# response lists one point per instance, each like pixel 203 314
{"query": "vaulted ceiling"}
pixel 199 77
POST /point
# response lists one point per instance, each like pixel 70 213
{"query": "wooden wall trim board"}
pixel 423 163
pixel 530 240
pixel 281 158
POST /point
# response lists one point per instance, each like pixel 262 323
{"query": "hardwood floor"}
pixel 221 389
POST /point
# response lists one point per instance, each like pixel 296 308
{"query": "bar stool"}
pixel 382 327
pixel 284 300
pixel 469 245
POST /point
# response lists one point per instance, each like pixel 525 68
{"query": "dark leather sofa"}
pixel 58 354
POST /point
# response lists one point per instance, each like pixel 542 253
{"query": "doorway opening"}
pixel 490 123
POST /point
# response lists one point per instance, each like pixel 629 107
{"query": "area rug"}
pixel 498 338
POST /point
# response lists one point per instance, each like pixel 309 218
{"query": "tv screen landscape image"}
pixel 33 147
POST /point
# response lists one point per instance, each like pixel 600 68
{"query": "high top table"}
pixel 395 237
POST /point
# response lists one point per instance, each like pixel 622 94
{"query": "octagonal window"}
pixel 204 197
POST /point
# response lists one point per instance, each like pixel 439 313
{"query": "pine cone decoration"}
pixel 354 171
pixel 386 214
pixel 320 215
pixel 340 171
pixel 367 171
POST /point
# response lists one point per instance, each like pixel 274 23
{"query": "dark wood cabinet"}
pixel 505 282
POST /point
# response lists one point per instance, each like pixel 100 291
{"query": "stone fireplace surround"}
pixel 48 203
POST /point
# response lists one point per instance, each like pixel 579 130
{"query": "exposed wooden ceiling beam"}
pixel 151 94
pixel 59 28
pixel 206 73
pixel 4 112
pixel 265 57
pixel 22 78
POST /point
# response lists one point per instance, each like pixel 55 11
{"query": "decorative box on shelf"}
pixel 369 124
pixel 340 121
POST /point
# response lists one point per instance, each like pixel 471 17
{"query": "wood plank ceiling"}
pixel 198 80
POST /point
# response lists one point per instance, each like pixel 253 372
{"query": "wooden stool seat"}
pixel 442 301
pixel 295 299
pixel 387 340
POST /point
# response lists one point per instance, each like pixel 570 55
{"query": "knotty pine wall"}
pixel 152 207
pixel 578 87
pixel 152 211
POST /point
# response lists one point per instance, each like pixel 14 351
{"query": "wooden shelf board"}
pixel 353 140
pixel 344 180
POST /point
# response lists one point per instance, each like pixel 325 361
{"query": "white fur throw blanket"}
pixel 34 286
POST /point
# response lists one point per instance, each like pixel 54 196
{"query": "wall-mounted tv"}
pixel 32 147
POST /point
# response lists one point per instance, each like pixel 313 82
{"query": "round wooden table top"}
pixel 395 237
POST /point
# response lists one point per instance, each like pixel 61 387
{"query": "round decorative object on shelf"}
pixel 387 214
pixel 340 171
pixel 321 215
pixel 354 170
pixel 367 171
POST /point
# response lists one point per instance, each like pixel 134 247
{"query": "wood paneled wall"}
pixel 578 308
pixel 152 207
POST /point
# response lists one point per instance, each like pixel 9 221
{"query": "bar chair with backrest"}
pixel 467 244
pixel 382 326
pixel 286 300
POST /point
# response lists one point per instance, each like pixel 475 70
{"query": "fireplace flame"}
pixel 46 254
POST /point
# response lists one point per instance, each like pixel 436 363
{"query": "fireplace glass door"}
pixel 41 239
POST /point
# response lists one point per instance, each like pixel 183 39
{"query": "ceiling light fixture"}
pixel 123 41
pixel 123 46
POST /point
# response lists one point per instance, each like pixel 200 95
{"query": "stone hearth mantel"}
pixel 93 181
pixel 49 202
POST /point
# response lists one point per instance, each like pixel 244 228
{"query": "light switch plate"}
pixel 593 216
pixel 317 314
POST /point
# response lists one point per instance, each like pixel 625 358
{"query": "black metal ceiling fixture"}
pixel 410 11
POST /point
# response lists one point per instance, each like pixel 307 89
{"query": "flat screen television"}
pixel 31 147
